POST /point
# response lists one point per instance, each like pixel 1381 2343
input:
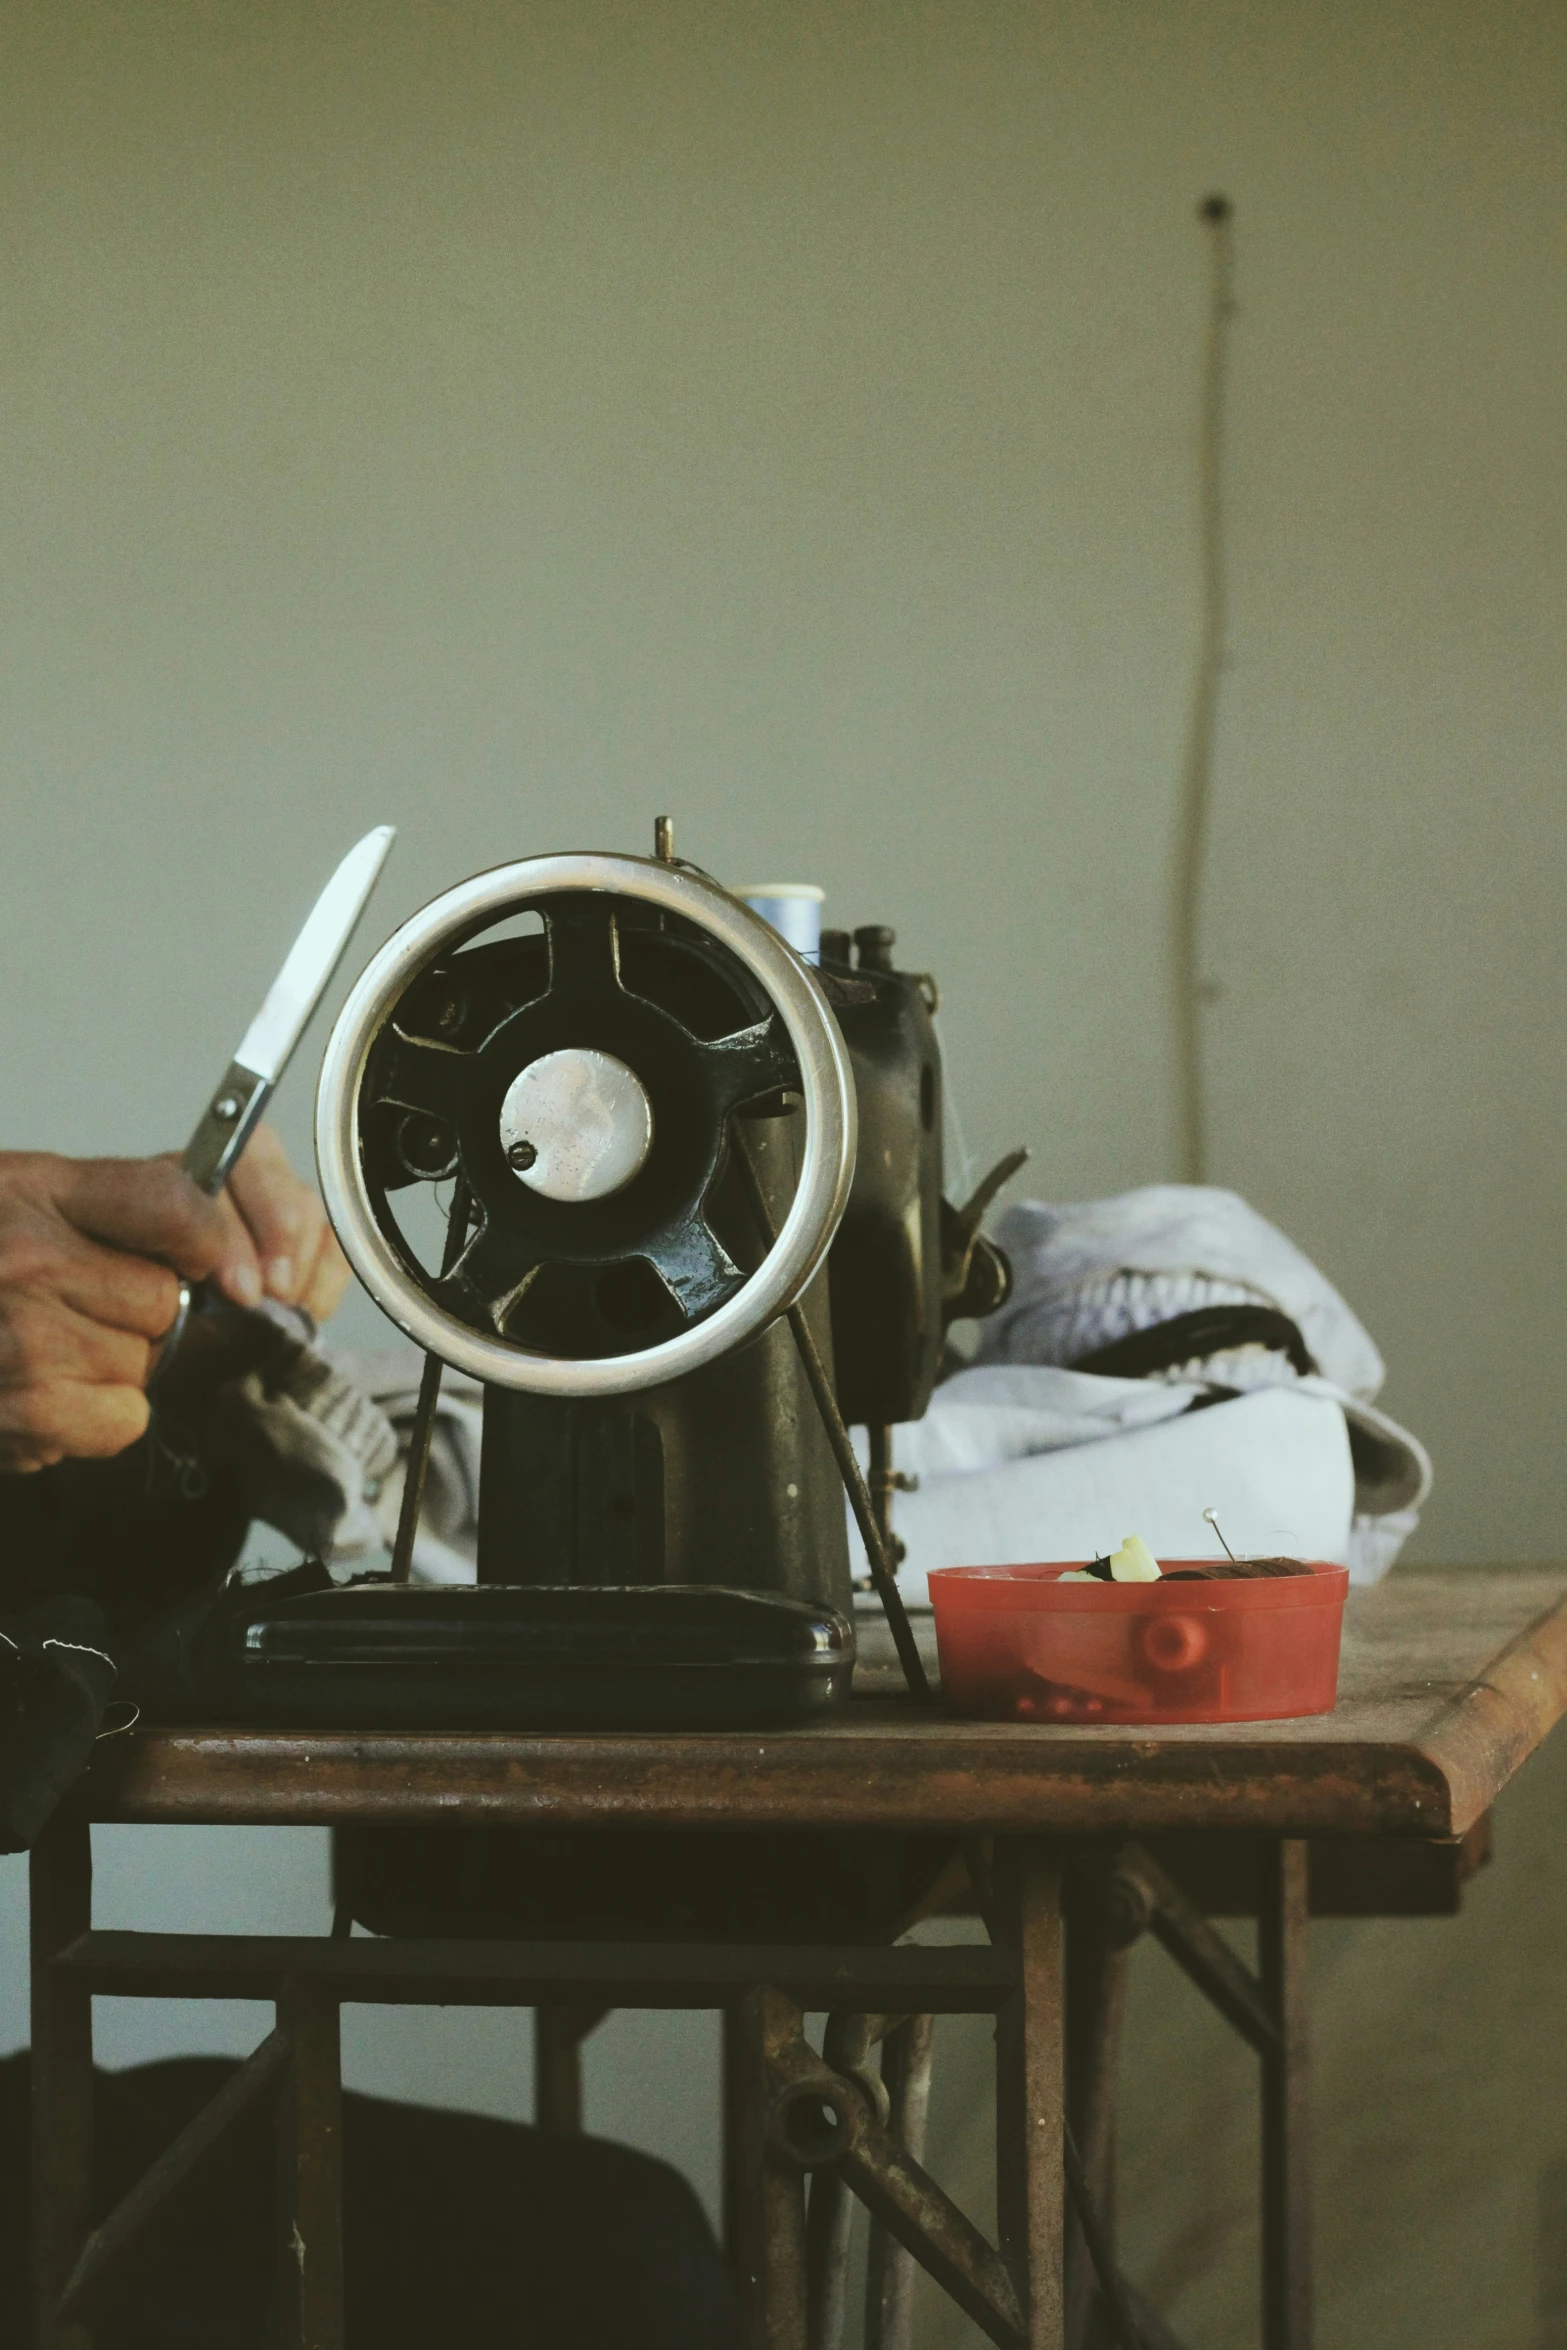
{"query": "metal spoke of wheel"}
pixel 584 944
pixel 697 1268
pixel 418 1075
pixel 491 1274
pixel 751 1063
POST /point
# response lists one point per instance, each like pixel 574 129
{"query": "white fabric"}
pixel 1275 1467
pixel 253 1390
pixel 1024 1458
pixel 1008 1411
pixel 314 1451
pixel 1075 1271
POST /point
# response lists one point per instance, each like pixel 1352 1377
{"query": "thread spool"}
pixel 794 908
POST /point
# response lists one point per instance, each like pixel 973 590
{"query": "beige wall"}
pixel 511 420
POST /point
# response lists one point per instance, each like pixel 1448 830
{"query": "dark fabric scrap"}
pixel 1194 1338
pixel 56 1678
pixel 162 1664
pixel 90 1552
pixel 133 1533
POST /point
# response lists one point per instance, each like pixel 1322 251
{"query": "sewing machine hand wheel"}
pixel 578 1081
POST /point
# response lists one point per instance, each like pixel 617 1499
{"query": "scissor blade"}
pixel 313 957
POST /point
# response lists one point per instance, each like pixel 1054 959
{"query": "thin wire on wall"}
pixel 1188 993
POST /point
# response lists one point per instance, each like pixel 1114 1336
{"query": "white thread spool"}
pixel 794 908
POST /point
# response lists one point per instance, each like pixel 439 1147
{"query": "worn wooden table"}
pixel 1449 1681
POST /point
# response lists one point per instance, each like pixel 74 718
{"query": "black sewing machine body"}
pixel 654 1551
pixel 721 1478
pixel 725 1476
pixel 756 1107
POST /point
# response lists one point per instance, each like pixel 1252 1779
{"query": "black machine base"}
pixel 374 1655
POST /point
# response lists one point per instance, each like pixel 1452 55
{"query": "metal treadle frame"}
pixel 803 2133
pixel 1449 1683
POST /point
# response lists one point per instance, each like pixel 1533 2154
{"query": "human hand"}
pixel 294 1254
pixel 92 1252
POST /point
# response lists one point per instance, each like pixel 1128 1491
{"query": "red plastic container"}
pixel 1016 1644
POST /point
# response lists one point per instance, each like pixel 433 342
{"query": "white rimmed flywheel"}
pixel 577 1085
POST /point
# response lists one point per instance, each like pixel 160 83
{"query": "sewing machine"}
pixel 691 1223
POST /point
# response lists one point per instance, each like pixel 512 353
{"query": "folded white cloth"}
pixel 1011 1411
pixel 1274 1467
pixel 1095 1270
pixel 250 1387
pixel 1023 1457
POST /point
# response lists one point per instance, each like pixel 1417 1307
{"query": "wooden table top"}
pixel 1450 1679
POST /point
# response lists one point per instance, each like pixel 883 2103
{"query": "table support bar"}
pixel 1282 1933
pixel 60 1872
pixel 310 2172
pixel 107 2263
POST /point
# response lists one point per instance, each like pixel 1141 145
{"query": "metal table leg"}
pixel 1098 1961
pixel 60 1871
pixel 1282 1929
pixel 829 2214
pixel 1029 2175
pixel 310 2172
pixel 890 2266
pixel 846 2048
pixel 765 2214
pixel 558 2034
pixel 731 2096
